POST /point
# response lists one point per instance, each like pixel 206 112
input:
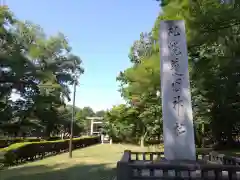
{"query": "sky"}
pixel 99 32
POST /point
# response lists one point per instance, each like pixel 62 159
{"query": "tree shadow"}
pixel 59 172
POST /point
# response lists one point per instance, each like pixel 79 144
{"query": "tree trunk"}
pixel 62 135
pixel 48 131
pixel 143 139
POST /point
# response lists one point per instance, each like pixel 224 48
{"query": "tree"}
pixel 81 118
pixel 120 123
pixel 140 84
pixel 39 69
pixel 213 41
pixel 100 113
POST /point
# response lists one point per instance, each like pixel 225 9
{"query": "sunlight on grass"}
pixel 93 163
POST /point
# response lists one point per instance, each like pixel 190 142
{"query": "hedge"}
pixel 7 142
pixel 25 151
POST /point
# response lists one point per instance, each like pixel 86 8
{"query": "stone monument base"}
pixel 152 165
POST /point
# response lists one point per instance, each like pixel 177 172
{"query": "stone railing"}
pixel 152 166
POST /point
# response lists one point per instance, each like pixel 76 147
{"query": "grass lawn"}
pixel 91 163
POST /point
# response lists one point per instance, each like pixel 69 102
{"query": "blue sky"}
pixel 100 32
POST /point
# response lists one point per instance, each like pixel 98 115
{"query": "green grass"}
pixel 93 163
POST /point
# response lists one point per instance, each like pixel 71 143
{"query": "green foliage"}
pixel 100 113
pixel 139 87
pixel 25 150
pixel 119 123
pixel 213 44
pixel 39 69
pixel 6 142
pixel 81 118
pixel 126 124
pixel 22 144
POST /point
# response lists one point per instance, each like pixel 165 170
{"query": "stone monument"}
pixel 178 131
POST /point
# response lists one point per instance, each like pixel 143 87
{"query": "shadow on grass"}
pixel 58 172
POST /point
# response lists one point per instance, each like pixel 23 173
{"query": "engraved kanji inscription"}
pixel 176 85
pixel 175 64
pixel 179 128
pixel 177 104
pixel 175 48
pixel 174 31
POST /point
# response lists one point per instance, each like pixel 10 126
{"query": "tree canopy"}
pixel 212 35
pixel 38 69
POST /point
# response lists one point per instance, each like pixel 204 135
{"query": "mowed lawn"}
pixel 92 163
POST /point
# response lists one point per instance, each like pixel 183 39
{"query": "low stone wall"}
pixel 152 165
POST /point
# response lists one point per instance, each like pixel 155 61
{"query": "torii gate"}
pixel 98 120
pixel 95 120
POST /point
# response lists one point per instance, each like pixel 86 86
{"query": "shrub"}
pixel 25 151
pixel 7 142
